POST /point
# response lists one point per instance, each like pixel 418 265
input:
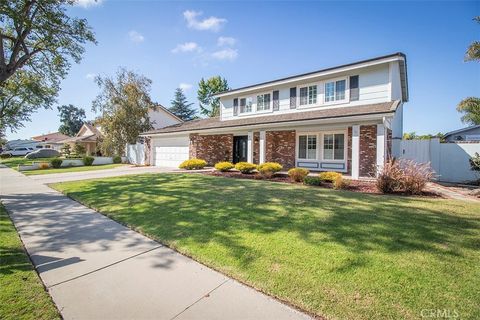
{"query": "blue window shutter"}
pixel 235 106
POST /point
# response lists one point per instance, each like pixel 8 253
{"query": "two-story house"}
pixel 343 119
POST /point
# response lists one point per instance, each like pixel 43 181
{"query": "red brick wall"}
pixel 211 148
pixel 368 150
pixel 280 147
pixel 256 147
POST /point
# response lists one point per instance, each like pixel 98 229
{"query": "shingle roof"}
pixel 214 123
pixel 50 137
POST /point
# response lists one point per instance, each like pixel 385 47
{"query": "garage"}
pixel 170 152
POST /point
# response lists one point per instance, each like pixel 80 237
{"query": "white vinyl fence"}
pixel 449 160
pixel 135 153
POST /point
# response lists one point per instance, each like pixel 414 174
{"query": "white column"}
pixel 262 147
pixel 355 151
pixel 380 145
pixel 250 147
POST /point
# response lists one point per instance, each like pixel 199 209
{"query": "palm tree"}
pixel 470 107
pixel 473 51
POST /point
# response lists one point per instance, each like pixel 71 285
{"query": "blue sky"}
pixel 177 43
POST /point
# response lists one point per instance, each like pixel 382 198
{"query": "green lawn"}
pixel 15 161
pixel 22 295
pixel 73 169
pixel 337 254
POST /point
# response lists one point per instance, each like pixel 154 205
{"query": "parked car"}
pixel 43 153
pixel 20 151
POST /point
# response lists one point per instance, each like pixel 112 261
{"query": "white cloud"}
pixel 211 23
pixel 185 86
pixel 226 41
pixel 187 47
pixel 88 3
pixel 90 76
pixel 136 36
pixel 225 54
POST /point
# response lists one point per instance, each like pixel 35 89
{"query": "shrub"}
pixel 56 162
pixel 66 150
pixel 79 149
pixel 389 178
pixel 193 164
pixel 340 183
pixel 43 165
pixel 298 174
pixel 329 176
pixel 312 181
pixel 268 169
pixel 415 176
pixel 88 161
pixel 5 155
pixel 245 167
pixel 117 159
pixel 475 162
pixel 224 166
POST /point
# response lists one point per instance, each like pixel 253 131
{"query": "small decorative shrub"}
pixel 298 174
pixel 117 159
pixel 193 164
pixel 224 166
pixel 5 155
pixel 340 183
pixel 88 161
pixel 43 165
pixel 79 149
pixel 66 150
pixel 329 176
pixel 245 167
pixel 312 181
pixel 268 169
pixel 56 162
pixel 415 176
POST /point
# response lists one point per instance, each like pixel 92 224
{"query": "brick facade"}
pixel 256 147
pixel 368 150
pixel 211 148
pixel 280 147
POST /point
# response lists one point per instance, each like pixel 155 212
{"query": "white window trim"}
pixel 239 109
pixel 346 99
pixel 316 134
pixel 345 145
pixel 270 110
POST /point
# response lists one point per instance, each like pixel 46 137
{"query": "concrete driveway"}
pixel 95 268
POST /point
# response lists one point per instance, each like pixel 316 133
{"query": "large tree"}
pixel 470 107
pixel 473 51
pixel 209 105
pixel 124 103
pixel 38 40
pixel 181 107
pixel 71 119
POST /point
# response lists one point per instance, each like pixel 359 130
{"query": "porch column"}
pixel 380 145
pixel 355 151
pixel 250 147
pixel 262 147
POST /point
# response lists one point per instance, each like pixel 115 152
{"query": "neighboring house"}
pixel 342 119
pixel 89 134
pixel 466 134
pixel 51 140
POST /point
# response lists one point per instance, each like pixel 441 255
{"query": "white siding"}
pixel 161 119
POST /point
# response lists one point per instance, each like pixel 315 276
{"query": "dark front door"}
pixel 240 149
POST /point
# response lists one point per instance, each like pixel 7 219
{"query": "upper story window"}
pixel 246 105
pixel 308 95
pixel 263 102
pixel 335 90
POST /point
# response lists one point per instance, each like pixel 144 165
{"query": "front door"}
pixel 240 149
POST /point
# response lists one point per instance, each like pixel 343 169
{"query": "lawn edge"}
pixel 251 286
pixel 45 288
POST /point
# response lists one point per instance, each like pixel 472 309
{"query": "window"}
pixel 263 102
pixel 245 105
pixel 307 147
pixel 334 146
pixel 354 91
pixel 308 95
pixel 335 90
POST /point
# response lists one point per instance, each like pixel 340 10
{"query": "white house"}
pixel 342 118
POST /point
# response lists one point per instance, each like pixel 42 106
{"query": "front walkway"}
pixel 95 268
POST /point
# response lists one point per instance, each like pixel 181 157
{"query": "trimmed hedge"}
pixel 117 159
pixel 193 164
pixel 298 174
pixel 312 181
pixel 340 183
pixel 329 176
pixel 268 169
pixel 224 166
pixel 245 167
pixel 88 161
pixel 56 163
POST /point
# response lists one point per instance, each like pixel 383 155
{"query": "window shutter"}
pixel 235 106
pixel 354 90
pixel 276 101
pixel 293 98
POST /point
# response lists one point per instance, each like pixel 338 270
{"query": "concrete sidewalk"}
pixel 94 268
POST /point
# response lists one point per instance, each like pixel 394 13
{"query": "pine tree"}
pixel 181 107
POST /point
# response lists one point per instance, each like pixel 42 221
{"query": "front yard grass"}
pixel 73 169
pixel 336 254
pixel 13 162
pixel 22 295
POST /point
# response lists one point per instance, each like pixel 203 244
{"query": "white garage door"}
pixel 170 152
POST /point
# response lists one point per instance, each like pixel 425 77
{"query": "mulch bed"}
pixel 363 186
